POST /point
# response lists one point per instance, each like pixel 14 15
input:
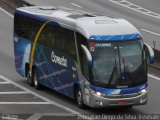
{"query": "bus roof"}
pixel 90 25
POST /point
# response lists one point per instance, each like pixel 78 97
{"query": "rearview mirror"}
pixel 88 56
pixel 151 53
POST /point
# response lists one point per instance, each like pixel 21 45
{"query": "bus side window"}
pixel 47 36
pixel 21 26
pixel 25 27
pixel 34 27
pixel 50 35
pixel 83 59
pixel 42 37
pixel 69 43
pixel 59 42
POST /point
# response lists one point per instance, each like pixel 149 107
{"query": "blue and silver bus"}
pixel 99 61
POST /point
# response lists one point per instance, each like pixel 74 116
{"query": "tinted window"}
pixel 57 38
pixel 47 36
pixel 51 35
pixel 60 36
pixel 69 42
pixel 65 41
pixel 26 27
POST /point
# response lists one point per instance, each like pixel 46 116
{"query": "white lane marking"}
pixel 43 98
pixel 76 5
pixel 6 12
pixel 136 8
pixel 14 92
pixel 23 88
pixel 152 76
pixel 1 83
pixel 150 32
pixel 24 103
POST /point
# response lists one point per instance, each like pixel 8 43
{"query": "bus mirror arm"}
pixel 151 53
pixel 88 55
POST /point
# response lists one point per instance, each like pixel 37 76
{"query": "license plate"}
pixel 122 102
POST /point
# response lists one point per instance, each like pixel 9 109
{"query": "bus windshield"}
pixel 118 64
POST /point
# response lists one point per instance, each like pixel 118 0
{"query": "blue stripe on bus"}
pixel 115 37
pixel 119 91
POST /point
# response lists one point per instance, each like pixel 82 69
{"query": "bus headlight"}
pixel 97 93
pixel 143 91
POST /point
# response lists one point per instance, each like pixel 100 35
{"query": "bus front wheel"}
pixel 79 99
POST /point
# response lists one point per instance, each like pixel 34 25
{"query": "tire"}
pixel 79 99
pixel 36 84
pixel 29 79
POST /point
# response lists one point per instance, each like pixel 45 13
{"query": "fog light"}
pixel 143 100
pixel 99 102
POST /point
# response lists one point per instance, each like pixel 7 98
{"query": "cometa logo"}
pixel 58 60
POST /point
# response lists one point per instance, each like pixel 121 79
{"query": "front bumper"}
pixel 98 102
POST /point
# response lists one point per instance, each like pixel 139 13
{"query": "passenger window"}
pixel 47 36
pixel 69 43
pixel 59 43
pixel 26 27
pixel 33 26
pixel 50 35
pixel 65 41
pixel 21 26
pixel 42 37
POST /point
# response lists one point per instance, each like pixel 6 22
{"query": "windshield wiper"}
pixel 113 72
pixel 124 69
pixel 127 72
pixel 116 66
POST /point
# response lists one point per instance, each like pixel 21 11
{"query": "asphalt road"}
pixel 16 97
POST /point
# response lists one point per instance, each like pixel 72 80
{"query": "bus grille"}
pixel 122 96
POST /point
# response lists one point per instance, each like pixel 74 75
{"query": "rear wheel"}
pixel 29 79
pixel 79 99
pixel 37 85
